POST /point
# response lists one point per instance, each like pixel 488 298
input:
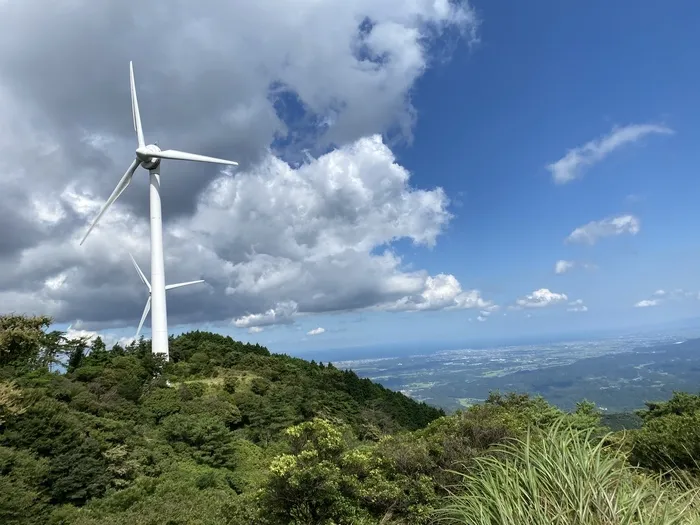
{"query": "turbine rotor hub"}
pixel 147 161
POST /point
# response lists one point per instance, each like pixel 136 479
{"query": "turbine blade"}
pixel 123 183
pixel 178 285
pixel 141 275
pixel 135 108
pixel 181 155
pixel 143 316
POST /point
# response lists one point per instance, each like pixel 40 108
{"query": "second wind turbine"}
pixel 147 308
pixel 149 157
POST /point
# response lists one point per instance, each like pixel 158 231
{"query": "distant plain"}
pixel 618 374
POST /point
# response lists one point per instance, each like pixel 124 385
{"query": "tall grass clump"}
pixel 567 476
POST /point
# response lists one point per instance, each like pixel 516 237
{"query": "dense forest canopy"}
pixel 229 433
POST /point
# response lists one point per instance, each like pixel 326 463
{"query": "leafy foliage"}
pixel 228 433
pixel 25 344
pixel 10 400
pixel 622 421
pixel 670 434
pixel 120 428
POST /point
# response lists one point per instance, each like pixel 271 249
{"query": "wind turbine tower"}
pixel 149 157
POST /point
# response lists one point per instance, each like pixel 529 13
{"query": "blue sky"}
pixel 547 77
pixel 558 131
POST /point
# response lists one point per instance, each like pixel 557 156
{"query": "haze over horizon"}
pixel 410 171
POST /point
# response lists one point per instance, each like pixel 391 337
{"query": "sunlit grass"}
pixel 567 477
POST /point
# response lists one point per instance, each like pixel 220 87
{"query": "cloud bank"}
pixel 284 236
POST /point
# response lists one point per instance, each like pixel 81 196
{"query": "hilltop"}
pixel 229 433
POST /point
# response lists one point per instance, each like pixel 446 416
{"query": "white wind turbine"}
pixel 148 285
pixel 149 157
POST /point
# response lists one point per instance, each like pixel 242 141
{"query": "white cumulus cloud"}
pixel 646 303
pixel 577 306
pixel 662 296
pixel 90 336
pixel 563 266
pixel 593 231
pixel 442 292
pixel 571 165
pixel 541 298
pixel 316 331
pixel 282 313
pixel 273 242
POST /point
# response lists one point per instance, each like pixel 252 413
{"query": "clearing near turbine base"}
pixel 149 157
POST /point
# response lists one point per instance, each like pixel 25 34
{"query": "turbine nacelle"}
pixel 145 155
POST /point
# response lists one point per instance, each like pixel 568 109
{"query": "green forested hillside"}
pixel 227 433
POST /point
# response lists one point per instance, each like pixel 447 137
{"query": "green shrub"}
pixel 231 383
pixel 259 386
pixel 670 434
